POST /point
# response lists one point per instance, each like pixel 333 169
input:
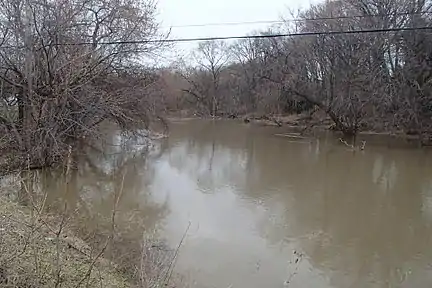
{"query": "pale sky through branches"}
pixel 192 12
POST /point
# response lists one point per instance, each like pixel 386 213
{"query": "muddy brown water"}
pixel 272 211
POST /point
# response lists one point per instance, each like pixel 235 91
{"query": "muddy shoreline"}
pixel 304 125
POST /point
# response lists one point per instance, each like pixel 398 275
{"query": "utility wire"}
pixel 260 36
pixel 200 39
pixel 302 19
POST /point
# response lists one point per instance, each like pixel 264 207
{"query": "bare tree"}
pixel 211 58
pixel 66 66
pixel 248 54
pixel 353 77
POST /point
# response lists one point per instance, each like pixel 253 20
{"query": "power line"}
pixel 302 19
pixel 261 36
pixel 201 39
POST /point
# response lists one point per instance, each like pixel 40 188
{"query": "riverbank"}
pixel 308 125
pixel 39 249
pixel 36 251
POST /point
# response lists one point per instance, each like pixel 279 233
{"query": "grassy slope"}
pixel 31 254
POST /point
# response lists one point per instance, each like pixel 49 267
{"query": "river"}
pixel 271 211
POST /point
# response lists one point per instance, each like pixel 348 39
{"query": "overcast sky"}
pixel 191 12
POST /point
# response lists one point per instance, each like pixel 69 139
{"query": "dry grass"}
pixel 58 249
pixel 36 251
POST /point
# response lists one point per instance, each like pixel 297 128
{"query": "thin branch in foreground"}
pixel 174 259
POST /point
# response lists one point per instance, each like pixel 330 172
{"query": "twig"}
pixel 291 136
pixel 352 147
pixel 58 274
pixel 89 271
pixel 172 264
pixel 346 143
pixel 116 202
pixel 297 262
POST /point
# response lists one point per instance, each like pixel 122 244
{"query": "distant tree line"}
pixel 363 81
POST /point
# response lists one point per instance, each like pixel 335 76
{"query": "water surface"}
pixel 255 201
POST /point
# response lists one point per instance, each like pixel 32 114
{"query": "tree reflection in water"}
pixel 360 218
pixel 101 175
